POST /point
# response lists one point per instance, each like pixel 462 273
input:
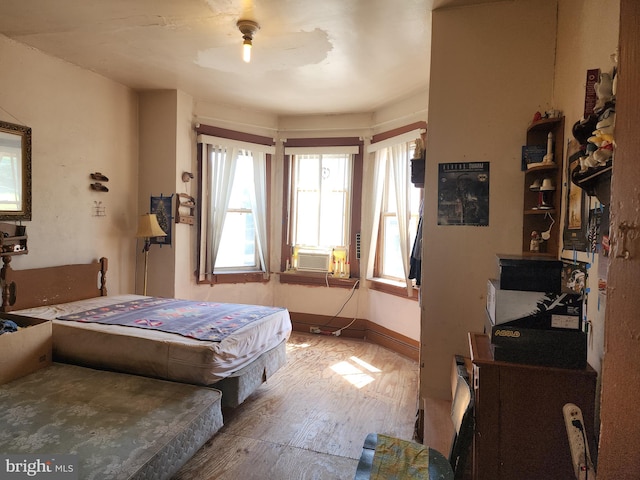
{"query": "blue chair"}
pixel 440 467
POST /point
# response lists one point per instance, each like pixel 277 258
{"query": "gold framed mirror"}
pixel 15 172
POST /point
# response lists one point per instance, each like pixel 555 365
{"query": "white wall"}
pixel 81 123
pixel 491 70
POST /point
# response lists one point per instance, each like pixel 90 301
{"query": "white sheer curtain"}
pixel 379 167
pixel 221 162
pixel 259 206
pixel 392 162
pixel 399 166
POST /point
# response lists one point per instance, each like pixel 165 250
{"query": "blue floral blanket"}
pixel 199 320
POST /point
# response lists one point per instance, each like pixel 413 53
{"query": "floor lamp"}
pixel 148 227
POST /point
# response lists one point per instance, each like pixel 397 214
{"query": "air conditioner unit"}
pixel 314 261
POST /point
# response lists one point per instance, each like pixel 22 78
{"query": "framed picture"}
pixel 162 207
pixel 577 204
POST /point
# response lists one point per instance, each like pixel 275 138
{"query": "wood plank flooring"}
pixel 310 419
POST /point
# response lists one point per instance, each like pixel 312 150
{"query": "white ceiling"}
pixel 309 56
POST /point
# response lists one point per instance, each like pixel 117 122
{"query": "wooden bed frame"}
pixel 51 285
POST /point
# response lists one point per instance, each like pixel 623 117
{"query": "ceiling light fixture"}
pixel 248 28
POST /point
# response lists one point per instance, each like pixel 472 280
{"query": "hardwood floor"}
pixel 310 419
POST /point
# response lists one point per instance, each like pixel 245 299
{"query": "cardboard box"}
pixel 550 348
pixel 530 273
pixel 545 309
pixel 27 350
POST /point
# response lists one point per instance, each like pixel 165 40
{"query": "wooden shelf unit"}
pixel 533 217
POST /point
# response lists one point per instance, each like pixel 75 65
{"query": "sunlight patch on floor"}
pixel 366 365
pixel 296 346
pixel 354 375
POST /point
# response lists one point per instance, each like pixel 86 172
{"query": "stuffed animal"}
pixel 604 92
pixel 601 143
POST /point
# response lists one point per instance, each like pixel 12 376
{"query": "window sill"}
pixel 236 277
pixel 316 279
pixel 393 288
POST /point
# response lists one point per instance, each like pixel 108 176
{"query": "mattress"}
pixel 118 426
pixel 153 353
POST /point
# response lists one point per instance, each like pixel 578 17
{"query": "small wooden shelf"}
pixel 552 211
pixel 13 240
pixel 541 220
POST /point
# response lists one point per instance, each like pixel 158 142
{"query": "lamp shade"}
pixel 148 226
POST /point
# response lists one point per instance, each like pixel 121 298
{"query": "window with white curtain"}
pixel 233 234
pixel 396 211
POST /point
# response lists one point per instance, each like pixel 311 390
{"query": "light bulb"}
pixel 246 51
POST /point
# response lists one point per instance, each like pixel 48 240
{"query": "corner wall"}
pixel 491 70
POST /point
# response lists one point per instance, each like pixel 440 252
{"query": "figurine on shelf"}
pixel 595 134
pixel 548 158
pixel 600 144
pixel 604 92
pixel 534 246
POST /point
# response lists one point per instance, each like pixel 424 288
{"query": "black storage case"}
pixel 532 346
pixel 530 273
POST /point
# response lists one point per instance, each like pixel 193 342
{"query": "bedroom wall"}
pixel 491 70
pixel 81 123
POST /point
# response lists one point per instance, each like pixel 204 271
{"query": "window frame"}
pixel 378 282
pixel 355 214
pixel 232 276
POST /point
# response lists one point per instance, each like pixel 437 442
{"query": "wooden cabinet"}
pixel 541 209
pixel 519 424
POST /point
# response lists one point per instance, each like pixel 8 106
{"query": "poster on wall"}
pixel 162 207
pixel 463 193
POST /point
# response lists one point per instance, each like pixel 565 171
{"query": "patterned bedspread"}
pixel 199 320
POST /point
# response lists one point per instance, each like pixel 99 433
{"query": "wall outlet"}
pixel 314 330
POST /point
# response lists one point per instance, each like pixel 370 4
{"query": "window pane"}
pixel 320 201
pixel 242 183
pixel 332 219
pixel 307 218
pixel 238 243
pixel 391 257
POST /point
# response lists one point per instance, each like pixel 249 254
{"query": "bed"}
pixel 236 364
pixel 106 425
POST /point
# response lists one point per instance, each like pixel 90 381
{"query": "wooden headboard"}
pixel 51 285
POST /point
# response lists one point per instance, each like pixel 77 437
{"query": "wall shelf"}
pixel 534 218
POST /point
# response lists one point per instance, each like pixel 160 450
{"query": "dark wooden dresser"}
pixel 519 424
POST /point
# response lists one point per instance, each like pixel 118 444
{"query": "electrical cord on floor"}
pixel 339 330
